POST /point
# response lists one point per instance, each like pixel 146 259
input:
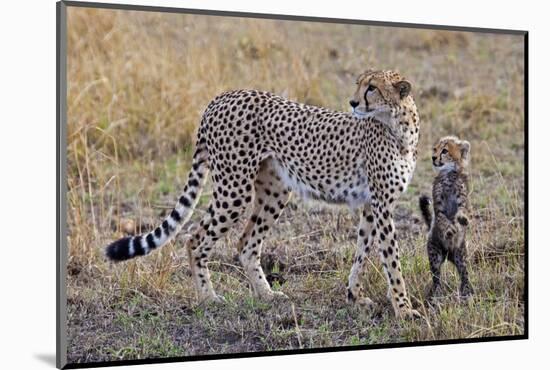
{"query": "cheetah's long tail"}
pixel 140 245
pixel 424 203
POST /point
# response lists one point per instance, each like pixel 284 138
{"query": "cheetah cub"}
pixel 448 221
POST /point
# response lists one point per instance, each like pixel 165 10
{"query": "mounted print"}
pixel 235 185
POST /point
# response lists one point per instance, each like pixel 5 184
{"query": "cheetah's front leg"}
pixel 364 245
pixel 389 254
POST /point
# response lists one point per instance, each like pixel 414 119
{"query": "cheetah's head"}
pixel 380 93
pixel 450 153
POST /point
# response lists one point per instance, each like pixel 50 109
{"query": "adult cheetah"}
pixel 259 147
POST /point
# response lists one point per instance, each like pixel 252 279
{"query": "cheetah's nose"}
pixel 433 159
pixel 353 103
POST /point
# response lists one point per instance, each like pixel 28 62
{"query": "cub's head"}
pixel 450 153
pixel 379 93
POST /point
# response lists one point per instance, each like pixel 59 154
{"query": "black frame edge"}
pixel 526 183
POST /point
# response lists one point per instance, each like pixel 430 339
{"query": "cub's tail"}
pixel 424 202
pixel 130 247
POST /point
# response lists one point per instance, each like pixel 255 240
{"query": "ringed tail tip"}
pixel 424 201
pixel 119 250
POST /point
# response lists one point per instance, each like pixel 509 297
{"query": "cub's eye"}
pixel 444 151
pixel 371 88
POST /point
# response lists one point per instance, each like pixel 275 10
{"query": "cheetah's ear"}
pixel 465 150
pixel 403 87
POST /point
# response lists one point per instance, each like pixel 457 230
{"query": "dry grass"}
pixel 137 85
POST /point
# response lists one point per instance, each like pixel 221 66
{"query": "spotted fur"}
pixel 448 222
pixel 259 147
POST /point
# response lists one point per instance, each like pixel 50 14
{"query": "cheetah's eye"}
pixel 444 151
pixel 371 88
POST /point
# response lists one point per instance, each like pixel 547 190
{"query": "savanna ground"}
pixel 137 85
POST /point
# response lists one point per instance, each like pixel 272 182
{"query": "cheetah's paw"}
pixel 277 296
pixel 271 296
pixel 365 303
pixel 409 314
pixel 214 299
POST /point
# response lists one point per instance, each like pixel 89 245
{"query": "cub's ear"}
pixel 465 150
pixel 403 88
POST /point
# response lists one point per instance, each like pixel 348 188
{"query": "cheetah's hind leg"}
pixel 220 218
pixel 437 256
pixel 197 262
pixel 271 196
